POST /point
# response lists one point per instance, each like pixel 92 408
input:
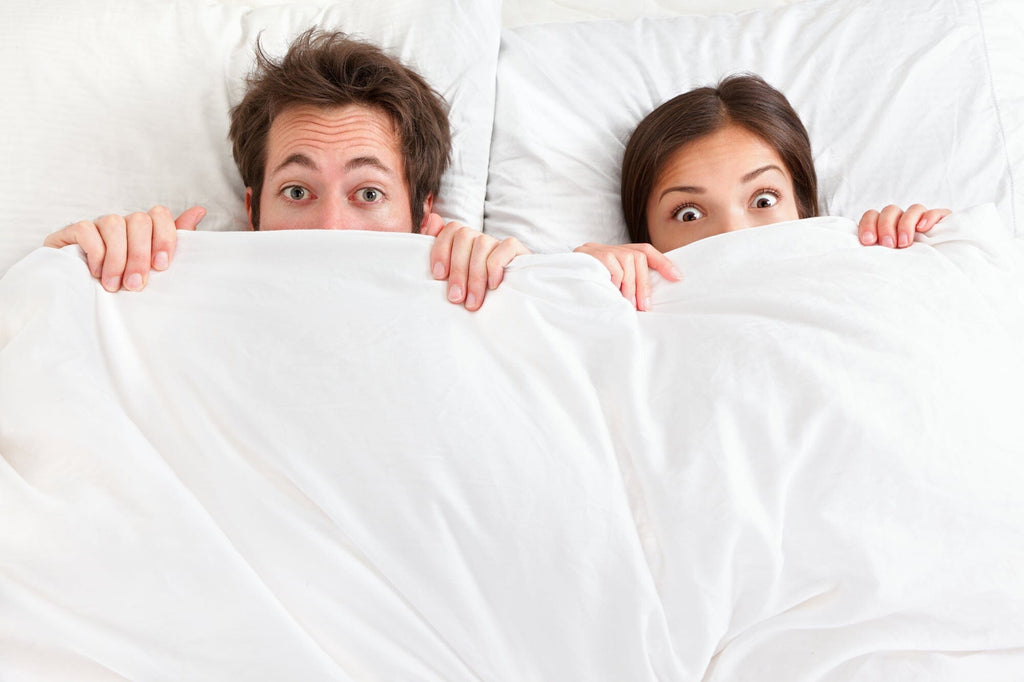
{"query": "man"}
pixel 336 135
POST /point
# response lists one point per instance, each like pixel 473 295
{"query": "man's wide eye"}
pixel 688 214
pixel 296 193
pixel 370 195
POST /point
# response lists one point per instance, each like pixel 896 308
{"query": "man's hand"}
pixel 471 261
pixel 895 228
pixel 629 265
pixel 121 250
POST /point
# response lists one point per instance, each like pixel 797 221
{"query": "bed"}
pixel 291 458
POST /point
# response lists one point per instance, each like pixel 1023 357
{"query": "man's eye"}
pixel 686 214
pixel 370 195
pixel 765 200
pixel 296 192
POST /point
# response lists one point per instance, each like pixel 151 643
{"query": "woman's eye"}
pixel 765 200
pixel 688 214
pixel 370 195
pixel 296 193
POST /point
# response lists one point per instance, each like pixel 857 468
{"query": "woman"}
pixel 721 159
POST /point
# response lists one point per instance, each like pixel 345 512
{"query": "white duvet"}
pixel 290 458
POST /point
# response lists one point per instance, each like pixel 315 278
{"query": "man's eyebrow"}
pixel 360 161
pixel 300 159
pixel 297 159
pixel 763 169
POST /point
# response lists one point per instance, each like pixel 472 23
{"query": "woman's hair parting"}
pixel 745 100
pixel 330 69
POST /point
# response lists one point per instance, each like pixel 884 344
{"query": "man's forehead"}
pixel 351 130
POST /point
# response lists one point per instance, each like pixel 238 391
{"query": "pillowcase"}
pixel 118 105
pixel 898 99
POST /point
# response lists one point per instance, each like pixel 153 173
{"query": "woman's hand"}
pixel 629 265
pixel 893 227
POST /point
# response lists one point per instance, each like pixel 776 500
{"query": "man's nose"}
pixel 333 212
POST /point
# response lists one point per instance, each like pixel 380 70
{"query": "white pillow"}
pixel 898 99
pixel 114 106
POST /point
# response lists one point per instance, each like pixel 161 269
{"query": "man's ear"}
pixel 248 205
pixel 428 208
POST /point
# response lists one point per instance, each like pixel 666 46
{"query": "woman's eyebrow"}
pixel 689 189
pixel 758 171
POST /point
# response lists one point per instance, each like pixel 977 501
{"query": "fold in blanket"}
pixel 291 458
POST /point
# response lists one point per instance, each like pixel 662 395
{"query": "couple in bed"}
pixel 338 135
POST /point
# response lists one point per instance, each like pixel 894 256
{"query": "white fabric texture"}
pixel 114 106
pixel 291 458
pixel 898 99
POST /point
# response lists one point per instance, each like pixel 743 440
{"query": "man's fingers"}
pixel 907 225
pixel 138 257
pixel 87 236
pixel 164 241
pixel 458 264
pixel 441 251
pixel 930 218
pixel 189 218
pixel 432 224
pixel 503 254
pixel 114 231
pixel 476 282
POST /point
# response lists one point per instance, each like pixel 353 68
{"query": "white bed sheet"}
pixel 291 458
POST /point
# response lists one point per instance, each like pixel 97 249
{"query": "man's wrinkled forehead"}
pixel 350 136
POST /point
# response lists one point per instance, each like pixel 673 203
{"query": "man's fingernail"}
pixel 887 242
pixel 471 301
pixel 867 239
pixel 904 240
pixel 454 293
pixel 160 260
pixel 438 271
pixel 112 283
pixel 133 282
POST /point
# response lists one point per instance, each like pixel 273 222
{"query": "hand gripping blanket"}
pixel 291 458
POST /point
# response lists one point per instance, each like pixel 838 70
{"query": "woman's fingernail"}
pixel 471 301
pixel 867 239
pixel 112 283
pixel 887 242
pixel 904 241
pixel 133 282
pixel 454 293
pixel 438 271
pixel 160 260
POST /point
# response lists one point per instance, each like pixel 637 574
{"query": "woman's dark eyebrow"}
pixel 692 189
pixel 689 189
pixel 763 169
